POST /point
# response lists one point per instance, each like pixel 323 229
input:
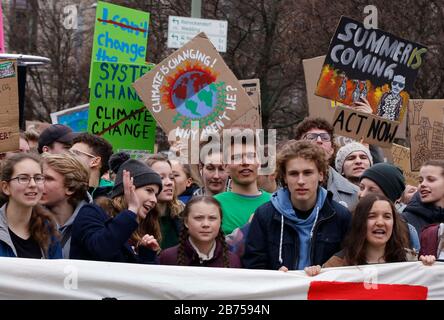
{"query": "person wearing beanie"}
pixel 388 180
pixel 352 160
pixel 114 162
pixel 126 227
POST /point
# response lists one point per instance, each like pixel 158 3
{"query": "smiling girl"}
pixel 26 229
pixel 202 242
pixel 374 237
pixel 123 228
pixel 427 205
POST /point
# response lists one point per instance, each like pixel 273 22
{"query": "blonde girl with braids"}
pixel 202 242
pixel 26 229
pixel 168 205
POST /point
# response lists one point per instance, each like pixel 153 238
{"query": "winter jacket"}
pixel 273 241
pixel 169 257
pixel 96 236
pixel 421 214
pixel 7 248
pixel 344 192
pixel 432 240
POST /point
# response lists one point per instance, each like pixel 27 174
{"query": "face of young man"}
pixel 355 164
pixel 84 154
pixel 243 164
pixel 321 138
pixel 302 178
pixel 57 148
pixel 54 191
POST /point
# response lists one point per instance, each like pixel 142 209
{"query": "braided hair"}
pixel 183 237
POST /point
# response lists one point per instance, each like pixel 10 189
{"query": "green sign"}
pixel 116 111
pixel 120 34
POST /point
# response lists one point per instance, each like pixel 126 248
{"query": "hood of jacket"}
pixel 425 211
pixel 4 232
pixel 281 200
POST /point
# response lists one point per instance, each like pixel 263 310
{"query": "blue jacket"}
pixel 96 236
pixel 273 241
pixel 7 248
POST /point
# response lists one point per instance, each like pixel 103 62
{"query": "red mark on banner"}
pixel 121 25
pixel 132 114
pixel 333 290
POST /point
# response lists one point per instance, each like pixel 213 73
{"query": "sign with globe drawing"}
pixel 193 84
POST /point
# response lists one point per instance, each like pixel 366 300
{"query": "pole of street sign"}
pixel 196 8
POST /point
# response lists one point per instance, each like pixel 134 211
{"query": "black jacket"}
pixel 264 237
pixel 420 214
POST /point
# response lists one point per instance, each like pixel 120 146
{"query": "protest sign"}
pixel 9 106
pixel 76 118
pixel 116 111
pixel 358 125
pixel 193 84
pixel 252 119
pixel 120 34
pixel 317 106
pixel 373 64
pixel 426 125
pixel 401 158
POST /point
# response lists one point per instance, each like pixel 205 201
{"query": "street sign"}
pixel 183 29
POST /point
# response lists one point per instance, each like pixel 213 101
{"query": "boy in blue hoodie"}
pixel 302 224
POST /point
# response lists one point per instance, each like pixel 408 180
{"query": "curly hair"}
pixel 42 226
pixel 75 173
pixel 300 149
pixel 183 238
pixel 355 244
pixel 99 146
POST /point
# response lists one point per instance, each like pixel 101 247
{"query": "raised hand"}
pixel 129 191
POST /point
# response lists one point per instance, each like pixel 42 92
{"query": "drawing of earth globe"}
pixel 194 94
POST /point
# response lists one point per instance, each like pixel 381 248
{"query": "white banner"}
pixel 74 279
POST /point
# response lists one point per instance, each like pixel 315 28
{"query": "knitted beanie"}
pixel 116 160
pixel 141 173
pixel 345 151
pixel 388 177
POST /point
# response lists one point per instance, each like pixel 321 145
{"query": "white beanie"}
pixel 344 151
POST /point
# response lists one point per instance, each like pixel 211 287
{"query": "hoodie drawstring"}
pixel 280 242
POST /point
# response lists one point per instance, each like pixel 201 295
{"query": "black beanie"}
pixel 388 177
pixel 116 160
pixel 141 173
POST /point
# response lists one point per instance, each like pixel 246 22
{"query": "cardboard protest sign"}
pixel 373 64
pixel 426 125
pixel 116 111
pixel 252 119
pixel 120 34
pixel 401 158
pixel 9 107
pixel 358 125
pixel 76 118
pixel 193 84
pixel 317 106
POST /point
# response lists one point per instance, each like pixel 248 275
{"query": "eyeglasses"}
pixel 76 152
pixel 314 136
pixel 25 179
